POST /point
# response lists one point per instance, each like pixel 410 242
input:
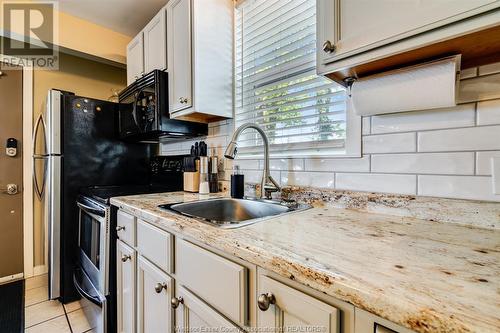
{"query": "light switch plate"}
pixel 495 173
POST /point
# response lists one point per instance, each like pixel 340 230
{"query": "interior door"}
pixel 11 173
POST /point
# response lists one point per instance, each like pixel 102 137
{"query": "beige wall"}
pixel 84 78
pixel 86 38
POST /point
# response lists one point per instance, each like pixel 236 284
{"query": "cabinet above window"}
pixel 357 38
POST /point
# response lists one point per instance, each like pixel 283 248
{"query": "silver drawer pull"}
pixel 176 301
pixel 126 257
pixel 160 286
pixel 265 300
pixel 120 228
pixel 328 47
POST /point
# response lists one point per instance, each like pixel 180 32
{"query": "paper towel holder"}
pixel 367 91
pixel 349 81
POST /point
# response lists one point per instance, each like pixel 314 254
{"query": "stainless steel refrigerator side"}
pixel 53 190
pixel 53 122
pixel 53 216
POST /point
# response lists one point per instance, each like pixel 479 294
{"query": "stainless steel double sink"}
pixel 234 213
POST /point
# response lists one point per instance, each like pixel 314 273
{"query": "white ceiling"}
pixel 124 16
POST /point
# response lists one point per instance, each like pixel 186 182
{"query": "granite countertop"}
pixel 427 276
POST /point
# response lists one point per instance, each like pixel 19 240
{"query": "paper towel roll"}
pixel 427 86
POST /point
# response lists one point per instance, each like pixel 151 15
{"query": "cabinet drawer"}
pixel 155 245
pixel 125 227
pixel 218 281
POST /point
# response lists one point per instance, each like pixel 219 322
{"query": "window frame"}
pixel 353 139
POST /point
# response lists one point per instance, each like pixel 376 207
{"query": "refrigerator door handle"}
pixel 39 120
pixel 39 190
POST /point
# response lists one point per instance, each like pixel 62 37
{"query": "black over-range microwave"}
pixel 144 112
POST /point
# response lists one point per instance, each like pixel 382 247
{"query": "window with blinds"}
pixel 276 85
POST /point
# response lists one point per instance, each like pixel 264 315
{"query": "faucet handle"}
pixel 270 187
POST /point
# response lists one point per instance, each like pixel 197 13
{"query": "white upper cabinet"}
pixel 193 41
pixel 180 73
pixel 200 55
pixel 155 43
pixel 286 309
pixel 135 58
pixel 355 32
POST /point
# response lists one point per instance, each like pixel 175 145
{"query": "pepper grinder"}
pixel 213 176
pixel 204 187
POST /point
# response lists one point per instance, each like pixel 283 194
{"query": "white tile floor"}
pixel 42 315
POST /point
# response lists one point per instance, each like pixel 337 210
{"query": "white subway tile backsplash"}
pixel 338 164
pixel 425 163
pixel 366 125
pixel 389 143
pixel 480 88
pixel 461 139
pixel 313 179
pixel 483 162
pixel 488 112
pixel 458 116
pixel 461 187
pixel 373 182
pixel 440 149
pixel 294 164
pixel 489 69
pixel 468 72
pixel 243 164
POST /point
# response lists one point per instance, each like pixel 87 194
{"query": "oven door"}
pixel 94 304
pixel 93 242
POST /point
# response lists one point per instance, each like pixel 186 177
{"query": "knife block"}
pixel 192 179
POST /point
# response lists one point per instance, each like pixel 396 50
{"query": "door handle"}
pixel 10 189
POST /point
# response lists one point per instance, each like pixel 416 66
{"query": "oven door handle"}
pixel 91 210
pixel 83 292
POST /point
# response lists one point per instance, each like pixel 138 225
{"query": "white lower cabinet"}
pixel 289 310
pixel 154 292
pixel 194 315
pixel 125 285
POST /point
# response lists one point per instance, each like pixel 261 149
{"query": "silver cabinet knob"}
pixel 265 300
pixel 328 47
pixel 120 228
pixel 183 100
pixel 126 257
pixel 176 301
pixel 160 286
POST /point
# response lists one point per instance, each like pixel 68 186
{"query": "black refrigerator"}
pixel 76 145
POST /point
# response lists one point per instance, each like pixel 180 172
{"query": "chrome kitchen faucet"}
pixel 268 184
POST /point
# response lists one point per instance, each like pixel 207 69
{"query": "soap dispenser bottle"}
pixel 237 183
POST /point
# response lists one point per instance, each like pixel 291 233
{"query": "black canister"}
pixel 237 184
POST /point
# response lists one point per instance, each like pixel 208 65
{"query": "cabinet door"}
pixel 180 67
pixel 194 315
pixel 289 310
pixel 125 286
pixel 135 58
pixel 355 26
pixel 155 43
pixel 154 292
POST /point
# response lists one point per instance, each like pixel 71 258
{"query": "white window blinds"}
pixel 276 82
